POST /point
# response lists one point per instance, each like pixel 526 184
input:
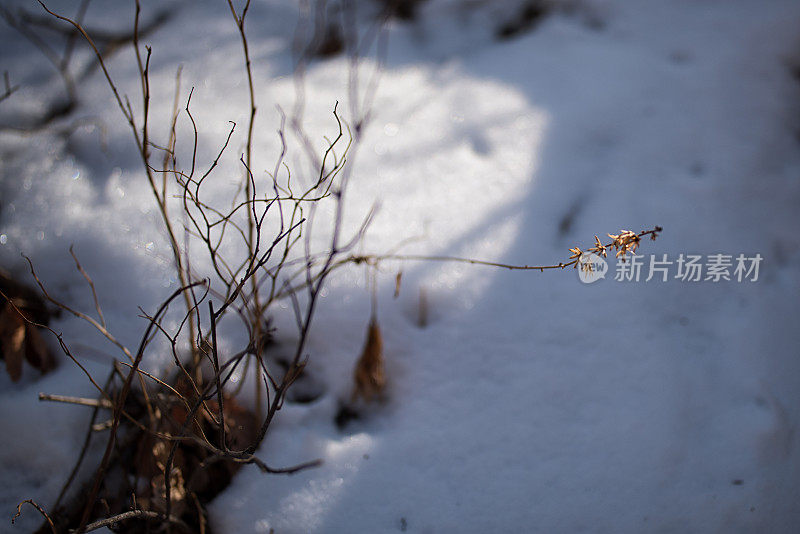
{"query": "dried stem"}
pixel 95 403
pixel 39 509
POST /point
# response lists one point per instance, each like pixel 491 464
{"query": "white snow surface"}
pixel 530 402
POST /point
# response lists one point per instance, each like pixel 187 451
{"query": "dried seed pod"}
pixel 369 375
pixel 397 280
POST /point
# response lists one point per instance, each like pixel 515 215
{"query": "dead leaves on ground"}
pixel 195 476
pixel 135 479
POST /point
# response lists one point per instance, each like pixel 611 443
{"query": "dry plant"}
pixel 626 242
pixel 172 443
pixel 188 431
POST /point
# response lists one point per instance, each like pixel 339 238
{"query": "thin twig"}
pixel 118 410
pixel 40 510
pixel 81 401
pixel 91 285
pixel 125 516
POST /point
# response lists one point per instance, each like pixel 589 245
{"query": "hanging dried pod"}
pixel 369 375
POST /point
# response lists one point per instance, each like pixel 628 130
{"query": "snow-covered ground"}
pixel 531 402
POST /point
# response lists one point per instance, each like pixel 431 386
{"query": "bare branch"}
pixel 39 509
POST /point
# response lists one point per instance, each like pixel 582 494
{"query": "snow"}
pixel 530 402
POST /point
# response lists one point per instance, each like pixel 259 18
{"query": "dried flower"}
pixel 576 255
pixel 598 247
pixel 625 242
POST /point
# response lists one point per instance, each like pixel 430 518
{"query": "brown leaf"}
pixel 177 492
pixel 369 375
pixel 36 351
pixel 20 340
pixel 12 340
pixel 25 298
